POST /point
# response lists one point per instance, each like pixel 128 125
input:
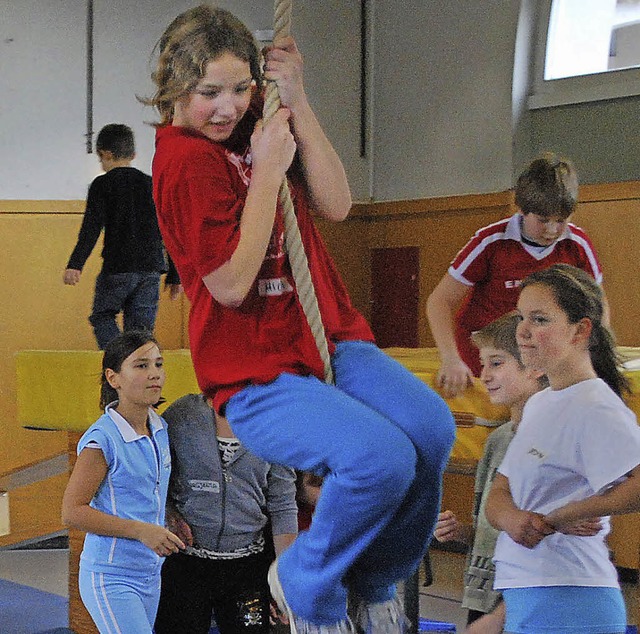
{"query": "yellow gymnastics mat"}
pixel 59 389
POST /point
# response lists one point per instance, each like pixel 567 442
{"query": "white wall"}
pixel 441 90
pixel 443 74
pixel 328 33
pixel 43 83
pixel 42 113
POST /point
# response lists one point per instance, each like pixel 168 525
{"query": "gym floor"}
pixel 47 569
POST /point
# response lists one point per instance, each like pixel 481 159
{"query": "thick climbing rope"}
pixel 293 239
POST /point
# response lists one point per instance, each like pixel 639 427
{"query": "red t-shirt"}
pixel 200 188
pixel 494 263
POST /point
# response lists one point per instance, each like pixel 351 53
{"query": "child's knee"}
pixel 395 469
pixel 445 429
pixel 383 460
pixel 439 432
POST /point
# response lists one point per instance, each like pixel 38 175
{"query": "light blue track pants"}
pixel 381 437
pixel 566 609
pixel 119 604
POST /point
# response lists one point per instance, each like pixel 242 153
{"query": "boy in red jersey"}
pixel 483 280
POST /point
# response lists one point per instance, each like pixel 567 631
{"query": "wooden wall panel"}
pixel 34 510
pixel 40 312
pixel 458 496
pixel 610 215
pixel 609 212
pixel 349 245
pixel 439 227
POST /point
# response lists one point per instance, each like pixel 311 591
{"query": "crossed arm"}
pixel 528 528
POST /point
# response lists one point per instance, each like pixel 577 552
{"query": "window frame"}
pixel 547 93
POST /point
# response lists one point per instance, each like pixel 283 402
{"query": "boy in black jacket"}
pixel 121 202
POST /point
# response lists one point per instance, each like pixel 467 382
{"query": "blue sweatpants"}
pixel 381 438
pixel 119 604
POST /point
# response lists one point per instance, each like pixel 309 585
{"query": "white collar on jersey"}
pixel 126 431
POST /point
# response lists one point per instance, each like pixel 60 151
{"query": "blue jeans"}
pixel 135 295
pixel 381 438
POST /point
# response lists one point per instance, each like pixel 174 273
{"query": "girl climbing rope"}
pixel 379 436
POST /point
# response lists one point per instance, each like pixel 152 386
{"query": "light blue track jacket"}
pixel 135 488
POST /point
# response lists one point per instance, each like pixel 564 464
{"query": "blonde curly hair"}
pixel 189 43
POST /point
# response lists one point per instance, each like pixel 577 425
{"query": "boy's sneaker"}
pixel 387 617
pixel 297 624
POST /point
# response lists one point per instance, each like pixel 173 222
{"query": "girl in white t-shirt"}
pixel 576 455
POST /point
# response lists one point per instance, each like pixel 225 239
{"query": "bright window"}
pixel 582 42
pixel 592 36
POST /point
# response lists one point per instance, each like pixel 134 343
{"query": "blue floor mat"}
pixel 25 610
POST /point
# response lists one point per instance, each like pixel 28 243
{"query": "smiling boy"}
pixel 508 383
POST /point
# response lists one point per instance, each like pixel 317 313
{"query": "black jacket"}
pixel 121 203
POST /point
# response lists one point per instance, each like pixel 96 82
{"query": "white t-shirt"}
pixel 571 444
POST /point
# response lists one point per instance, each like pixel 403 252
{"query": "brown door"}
pixel 395 274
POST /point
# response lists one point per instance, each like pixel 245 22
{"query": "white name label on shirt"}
pixel 205 485
pixel 512 283
pixel 273 287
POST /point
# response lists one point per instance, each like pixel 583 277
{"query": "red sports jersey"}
pixel 494 263
pixel 200 188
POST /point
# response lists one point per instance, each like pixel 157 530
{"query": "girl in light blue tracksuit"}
pixel 118 489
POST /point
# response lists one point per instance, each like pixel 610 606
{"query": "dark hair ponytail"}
pixel 116 351
pixel 579 297
pixel 606 361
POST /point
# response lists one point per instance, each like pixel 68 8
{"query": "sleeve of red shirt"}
pixel 470 266
pixel 210 226
pixel 591 263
